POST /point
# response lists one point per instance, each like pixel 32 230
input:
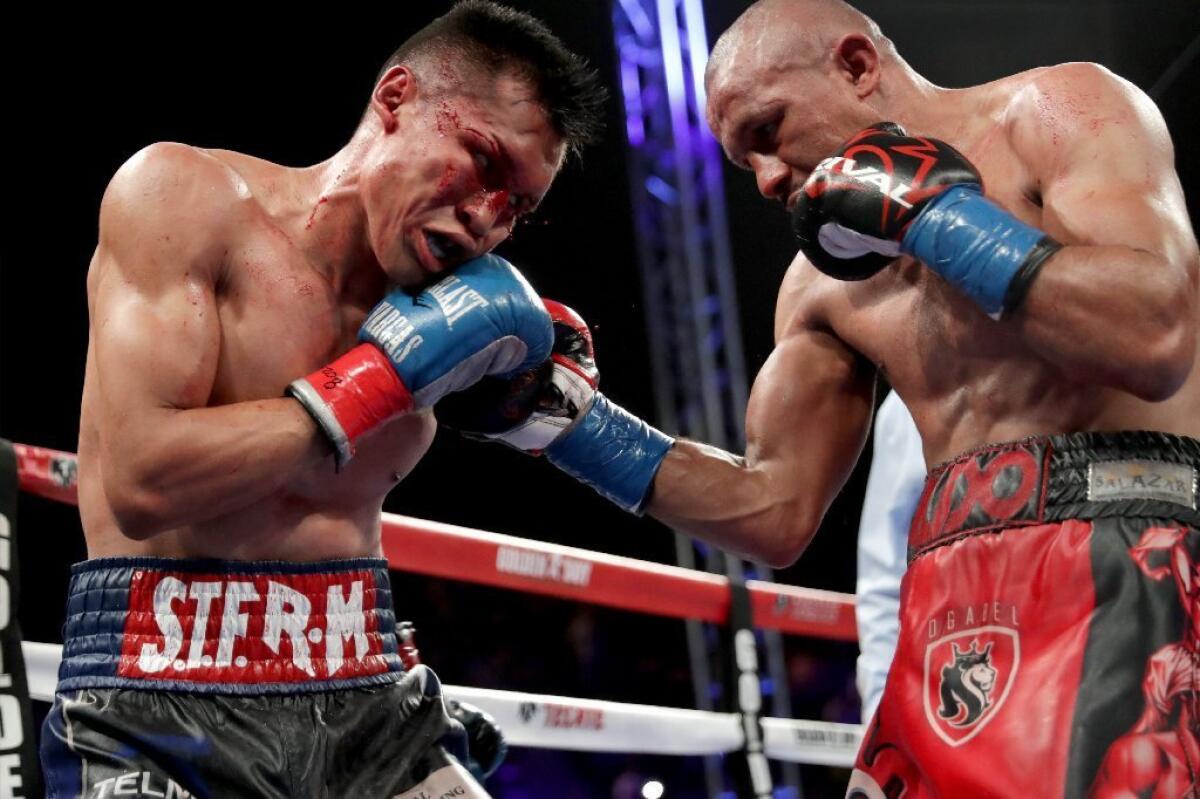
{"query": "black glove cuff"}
pixel 1023 279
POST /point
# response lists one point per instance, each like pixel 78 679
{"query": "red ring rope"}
pixel 443 550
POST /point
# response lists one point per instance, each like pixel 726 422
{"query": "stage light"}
pixel 653 790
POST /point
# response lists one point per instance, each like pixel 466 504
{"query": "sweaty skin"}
pixel 1105 339
pixel 219 278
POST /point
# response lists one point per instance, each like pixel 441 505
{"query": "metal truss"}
pixel 690 300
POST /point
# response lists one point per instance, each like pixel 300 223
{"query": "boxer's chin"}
pixel 402 266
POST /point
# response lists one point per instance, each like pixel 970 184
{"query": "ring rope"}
pixel 443 550
pixel 435 549
pixel 592 725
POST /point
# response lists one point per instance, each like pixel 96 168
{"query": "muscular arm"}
pixel 168 461
pixel 806 423
pixel 1117 305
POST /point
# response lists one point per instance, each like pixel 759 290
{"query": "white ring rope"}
pixel 592 725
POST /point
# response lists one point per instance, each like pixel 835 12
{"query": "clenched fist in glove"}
pixel 555 409
pixel 884 194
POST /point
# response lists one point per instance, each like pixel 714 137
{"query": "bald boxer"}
pixel 266 344
pixel 1017 259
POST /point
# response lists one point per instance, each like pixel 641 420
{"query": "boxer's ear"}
pixel 857 60
pixel 397 87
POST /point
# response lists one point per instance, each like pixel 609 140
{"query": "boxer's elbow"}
pixel 140 516
pixel 1166 381
pixel 1170 341
pixel 775 522
pixel 1168 357
pixel 141 511
pixel 784 535
pixel 779 557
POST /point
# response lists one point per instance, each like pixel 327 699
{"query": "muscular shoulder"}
pixel 1064 112
pixel 799 305
pixel 171 205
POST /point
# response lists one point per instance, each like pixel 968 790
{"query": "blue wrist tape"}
pixel 612 451
pixel 978 247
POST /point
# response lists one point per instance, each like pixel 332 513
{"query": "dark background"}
pixel 83 94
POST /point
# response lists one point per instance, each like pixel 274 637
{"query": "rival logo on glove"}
pixel 840 165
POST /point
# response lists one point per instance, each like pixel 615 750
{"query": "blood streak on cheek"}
pixel 453 185
pixel 496 201
pixel 447 179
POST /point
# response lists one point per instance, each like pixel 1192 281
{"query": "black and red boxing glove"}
pixel 530 410
pixel 885 193
pixel 557 410
pixel 856 205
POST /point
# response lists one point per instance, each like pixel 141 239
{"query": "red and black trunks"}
pixel 1049 627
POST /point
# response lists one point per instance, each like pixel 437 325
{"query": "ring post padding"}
pixel 20 773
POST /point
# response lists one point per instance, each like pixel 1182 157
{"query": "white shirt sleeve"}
pixel 893 488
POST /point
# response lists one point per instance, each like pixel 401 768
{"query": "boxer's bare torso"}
pixel 220 278
pixel 967 379
pixel 249 314
pixel 1105 338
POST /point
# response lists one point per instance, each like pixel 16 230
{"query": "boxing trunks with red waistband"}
pixel 1049 627
pixel 191 678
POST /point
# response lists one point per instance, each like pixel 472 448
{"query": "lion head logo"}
pixel 966 686
pixel 968 677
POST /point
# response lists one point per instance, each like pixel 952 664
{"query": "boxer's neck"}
pixel 333 230
pixel 926 109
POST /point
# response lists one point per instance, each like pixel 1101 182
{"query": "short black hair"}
pixel 493 38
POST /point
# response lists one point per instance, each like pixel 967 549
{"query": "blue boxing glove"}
pixel 885 193
pixel 555 409
pixel 484 319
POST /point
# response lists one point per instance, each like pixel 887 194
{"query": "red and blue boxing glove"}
pixel 884 194
pixel 556 410
pixel 485 319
